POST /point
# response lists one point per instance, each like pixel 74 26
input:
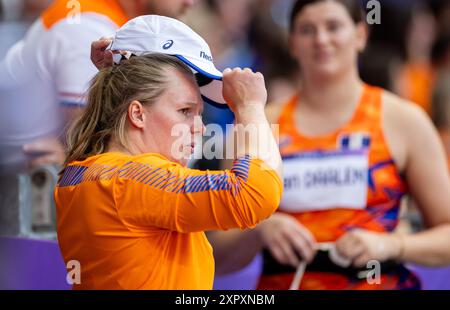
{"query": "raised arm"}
pixel 172 197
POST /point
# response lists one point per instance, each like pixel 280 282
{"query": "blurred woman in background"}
pixel 351 151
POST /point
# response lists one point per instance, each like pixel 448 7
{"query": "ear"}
pixel 136 114
pixel 362 36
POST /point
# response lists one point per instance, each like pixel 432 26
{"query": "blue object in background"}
pixel 246 279
pixel 29 264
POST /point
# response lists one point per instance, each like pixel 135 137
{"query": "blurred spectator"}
pixel 246 33
pixel 228 38
pixel 441 109
pixel 225 26
pixel 381 66
pixel 43 78
pixel 417 76
pixel 268 36
pixel 441 102
pixel 398 54
pixel 231 45
pixel 441 11
pixel 391 32
pixel 22 10
pixel 441 53
pixel 252 34
pixel 316 127
pixel 15 18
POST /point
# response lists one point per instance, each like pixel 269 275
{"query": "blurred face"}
pixel 170 8
pixel 422 33
pixel 325 40
pixel 235 15
pixel 33 8
pixel 173 123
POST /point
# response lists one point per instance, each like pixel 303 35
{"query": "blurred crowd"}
pixel 15 18
pixel 408 52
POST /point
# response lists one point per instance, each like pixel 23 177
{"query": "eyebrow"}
pixel 195 104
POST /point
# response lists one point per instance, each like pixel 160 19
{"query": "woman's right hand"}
pixel 244 90
pixel 100 57
pixel 246 95
pixel 287 240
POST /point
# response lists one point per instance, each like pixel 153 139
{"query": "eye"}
pixel 185 111
pixel 334 26
pixel 306 29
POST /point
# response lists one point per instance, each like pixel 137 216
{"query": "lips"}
pixel 323 55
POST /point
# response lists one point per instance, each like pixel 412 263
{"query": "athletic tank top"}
pixel 338 182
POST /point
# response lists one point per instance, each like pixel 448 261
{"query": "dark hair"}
pixel 440 49
pixel 440 111
pixel 353 7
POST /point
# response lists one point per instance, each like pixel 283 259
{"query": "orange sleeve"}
pixel 169 196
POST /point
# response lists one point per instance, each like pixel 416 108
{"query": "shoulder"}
pixel 404 114
pixel 408 129
pixel 77 14
pixel 67 47
pixel 90 27
pixel 155 161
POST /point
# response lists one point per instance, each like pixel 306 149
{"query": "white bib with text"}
pixel 325 180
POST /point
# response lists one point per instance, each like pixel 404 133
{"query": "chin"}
pixel 181 161
pixel 327 70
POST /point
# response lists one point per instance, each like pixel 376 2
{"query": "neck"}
pixel 131 149
pixel 332 93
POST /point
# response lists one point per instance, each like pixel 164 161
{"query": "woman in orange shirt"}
pixel 128 209
pixel 350 152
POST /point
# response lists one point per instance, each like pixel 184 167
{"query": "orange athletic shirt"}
pixel 338 182
pixel 138 222
pixel 385 187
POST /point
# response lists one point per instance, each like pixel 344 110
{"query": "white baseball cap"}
pixel 159 34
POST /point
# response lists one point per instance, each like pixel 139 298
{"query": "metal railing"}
pixel 27 207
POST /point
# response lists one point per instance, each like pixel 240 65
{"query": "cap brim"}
pixel 212 92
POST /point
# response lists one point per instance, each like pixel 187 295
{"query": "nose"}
pixel 198 127
pixel 203 129
pixel 322 37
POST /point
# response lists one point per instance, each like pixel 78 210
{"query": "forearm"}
pixel 429 248
pixel 253 136
pixel 234 249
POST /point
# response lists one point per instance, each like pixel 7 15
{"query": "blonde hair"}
pixel 142 78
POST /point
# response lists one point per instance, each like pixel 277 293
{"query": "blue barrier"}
pixel 30 264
